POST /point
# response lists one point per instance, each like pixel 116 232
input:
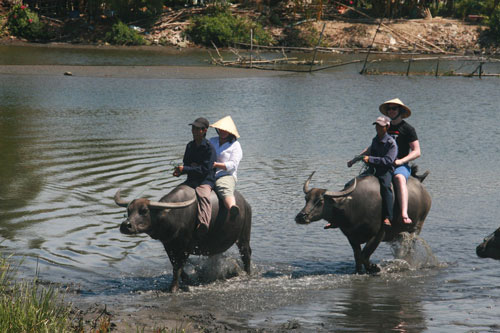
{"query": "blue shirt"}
pixel 383 153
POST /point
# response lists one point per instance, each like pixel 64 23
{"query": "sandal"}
pixel 387 222
pixel 407 220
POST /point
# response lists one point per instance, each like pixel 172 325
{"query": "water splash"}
pixel 413 252
pixel 213 268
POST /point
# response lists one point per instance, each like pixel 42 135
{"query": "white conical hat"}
pixel 405 111
pixel 226 124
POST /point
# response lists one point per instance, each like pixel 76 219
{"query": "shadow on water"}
pixel 19 183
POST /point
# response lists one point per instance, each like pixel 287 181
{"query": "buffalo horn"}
pixel 306 184
pixel 163 205
pixel 342 193
pixel 119 201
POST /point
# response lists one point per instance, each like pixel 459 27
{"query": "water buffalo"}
pixel 173 221
pixel 490 247
pixel 357 211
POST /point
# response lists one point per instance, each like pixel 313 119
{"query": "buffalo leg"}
pixel 245 253
pixel 356 248
pixel 178 260
pixel 243 241
pixel 368 250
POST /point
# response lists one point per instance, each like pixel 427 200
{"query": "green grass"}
pixel 26 306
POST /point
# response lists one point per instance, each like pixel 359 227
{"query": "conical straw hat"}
pixel 405 111
pixel 226 124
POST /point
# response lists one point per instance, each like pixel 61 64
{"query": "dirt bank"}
pixel 430 35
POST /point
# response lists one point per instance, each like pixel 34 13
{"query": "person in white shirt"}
pixel 229 154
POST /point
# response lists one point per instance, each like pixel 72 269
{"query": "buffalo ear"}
pixel 339 200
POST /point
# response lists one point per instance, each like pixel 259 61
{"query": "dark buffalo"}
pixel 173 221
pixel 357 211
pixel 490 247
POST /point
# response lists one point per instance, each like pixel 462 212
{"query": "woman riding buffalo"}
pixel 229 154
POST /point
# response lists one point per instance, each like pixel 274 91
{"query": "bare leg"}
pixel 400 182
pixel 229 202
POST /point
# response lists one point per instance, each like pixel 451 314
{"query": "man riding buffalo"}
pixel 198 162
pixel 380 156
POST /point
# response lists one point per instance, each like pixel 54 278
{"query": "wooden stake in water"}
pixel 370 48
pixel 251 46
pixel 437 67
pixel 316 48
pixel 409 61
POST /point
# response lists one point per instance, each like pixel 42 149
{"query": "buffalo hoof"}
pixel 174 287
pixel 373 269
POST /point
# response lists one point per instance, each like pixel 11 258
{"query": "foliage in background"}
pixel 128 10
pixel 121 34
pixel 223 29
pixel 308 36
pixel 492 34
pixel 28 307
pixel 463 8
pixel 22 22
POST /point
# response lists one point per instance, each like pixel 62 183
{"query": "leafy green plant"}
pixel 223 29
pixel 22 22
pixel 29 307
pixel 121 34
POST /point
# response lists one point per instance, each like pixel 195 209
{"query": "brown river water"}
pixel 121 121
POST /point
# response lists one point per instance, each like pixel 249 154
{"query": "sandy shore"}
pixel 151 72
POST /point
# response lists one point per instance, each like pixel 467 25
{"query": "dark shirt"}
pixel 202 171
pixel 404 134
pixel 383 153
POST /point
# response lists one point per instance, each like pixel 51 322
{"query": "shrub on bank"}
pixel 121 34
pixel 223 29
pixel 22 22
pixel 28 307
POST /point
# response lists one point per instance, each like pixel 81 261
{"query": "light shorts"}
pixel 403 170
pixel 225 186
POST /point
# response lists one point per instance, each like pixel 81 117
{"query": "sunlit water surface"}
pixel 68 143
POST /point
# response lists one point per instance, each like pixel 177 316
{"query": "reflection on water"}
pixel 69 143
pixel 19 181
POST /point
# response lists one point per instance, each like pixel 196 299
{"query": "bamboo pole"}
pixel 409 63
pixel 316 48
pixel 251 46
pixel 363 70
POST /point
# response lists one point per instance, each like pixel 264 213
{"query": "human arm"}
pixel 230 158
pixel 199 161
pixel 178 170
pixel 388 158
pixel 361 156
pixel 413 155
